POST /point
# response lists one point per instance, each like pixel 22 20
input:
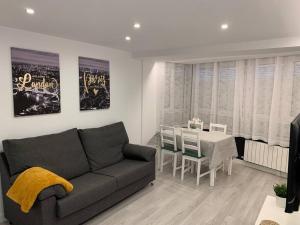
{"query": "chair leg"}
pixel 174 164
pixel 182 168
pixel 162 161
pixel 223 166
pixel 212 177
pixel 198 172
pixel 193 167
pixel 230 166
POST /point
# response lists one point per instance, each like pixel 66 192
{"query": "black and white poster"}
pixel 94 84
pixel 36 83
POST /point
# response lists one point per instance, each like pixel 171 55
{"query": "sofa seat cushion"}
pixel 61 153
pixel 127 171
pixel 104 145
pixel 88 189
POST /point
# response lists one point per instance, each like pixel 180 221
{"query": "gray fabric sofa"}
pixel 101 164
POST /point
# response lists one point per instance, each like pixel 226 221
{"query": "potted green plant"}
pixel 281 193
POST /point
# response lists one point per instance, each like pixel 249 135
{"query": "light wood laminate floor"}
pixel 235 200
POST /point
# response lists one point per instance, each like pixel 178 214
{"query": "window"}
pixel 177 94
pixel 263 90
pixel 225 102
pixel 202 91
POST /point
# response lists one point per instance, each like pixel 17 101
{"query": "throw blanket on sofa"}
pixel 30 183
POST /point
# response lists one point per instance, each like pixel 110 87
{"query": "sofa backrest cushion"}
pixel 61 153
pixel 104 145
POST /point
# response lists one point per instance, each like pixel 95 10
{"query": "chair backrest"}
pixel 197 124
pixel 190 140
pixel 168 136
pixel 217 127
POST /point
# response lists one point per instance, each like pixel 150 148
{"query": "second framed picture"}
pixel 94 84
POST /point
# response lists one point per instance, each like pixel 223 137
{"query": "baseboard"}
pixel 262 168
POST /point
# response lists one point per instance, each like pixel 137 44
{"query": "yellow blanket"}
pixel 30 183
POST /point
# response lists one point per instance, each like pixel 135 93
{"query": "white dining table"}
pixel 217 146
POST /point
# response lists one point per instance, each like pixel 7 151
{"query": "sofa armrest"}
pixel 4 171
pixel 57 191
pixel 139 152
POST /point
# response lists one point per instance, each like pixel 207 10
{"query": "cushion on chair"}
pixel 88 189
pixel 127 171
pixel 104 145
pixel 61 153
pixel 192 153
pixel 170 147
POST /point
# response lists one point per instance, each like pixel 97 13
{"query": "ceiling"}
pixel 166 24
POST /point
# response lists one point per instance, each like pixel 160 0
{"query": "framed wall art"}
pixel 94 84
pixel 36 82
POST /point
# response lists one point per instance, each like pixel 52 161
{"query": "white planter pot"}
pixel 280 202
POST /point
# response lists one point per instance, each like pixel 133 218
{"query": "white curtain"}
pixel 176 88
pixel 203 79
pixel 243 98
pixel 285 99
pixel 256 98
pixel 213 92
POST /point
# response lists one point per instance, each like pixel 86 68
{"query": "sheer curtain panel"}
pixel 256 98
pixel 176 94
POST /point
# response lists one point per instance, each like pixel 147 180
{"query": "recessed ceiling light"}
pixel 224 26
pixel 29 11
pixel 127 38
pixel 137 26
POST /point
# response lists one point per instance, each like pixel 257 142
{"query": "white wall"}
pixel 126 88
pixel 152 73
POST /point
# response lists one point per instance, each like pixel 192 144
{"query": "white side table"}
pixel 270 211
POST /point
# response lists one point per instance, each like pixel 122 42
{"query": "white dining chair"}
pixel 191 151
pixel 218 127
pixel 169 147
pixel 197 124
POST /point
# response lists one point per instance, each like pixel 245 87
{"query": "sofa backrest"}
pixel 104 145
pixel 61 153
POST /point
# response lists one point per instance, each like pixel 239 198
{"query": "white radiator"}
pixel 274 157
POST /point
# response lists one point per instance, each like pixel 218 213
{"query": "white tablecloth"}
pixel 215 145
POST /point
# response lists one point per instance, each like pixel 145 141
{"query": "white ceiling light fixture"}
pixel 137 26
pixel 30 11
pixel 224 26
pixel 127 38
